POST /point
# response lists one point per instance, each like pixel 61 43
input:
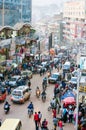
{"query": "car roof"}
pixel 73 77
pixel 16 76
pixel 83 79
pixel 56 73
pixel 26 71
pixel 20 88
pixel 67 63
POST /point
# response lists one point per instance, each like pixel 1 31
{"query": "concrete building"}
pixel 74 15
pixel 15 11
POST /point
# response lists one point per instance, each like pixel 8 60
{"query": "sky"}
pixel 46 2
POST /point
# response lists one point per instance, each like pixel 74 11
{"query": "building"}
pixel 74 15
pixel 15 11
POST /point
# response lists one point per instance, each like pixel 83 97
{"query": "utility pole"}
pixel 3 14
pixel 39 49
pixel 21 10
pixel 77 100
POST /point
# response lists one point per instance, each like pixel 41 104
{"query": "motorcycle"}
pixel 37 93
pixel 44 85
pixel 43 98
pixel 30 112
pixel 6 109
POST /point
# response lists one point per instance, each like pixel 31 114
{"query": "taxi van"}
pixel 11 124
pixel 20 94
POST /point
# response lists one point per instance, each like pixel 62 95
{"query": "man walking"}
pixel 36 120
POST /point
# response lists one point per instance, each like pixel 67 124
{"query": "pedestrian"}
pixel 70 113
pixel 29 83
pixel 44 124
pixel 55 122
pixel 40 72
pixel 9 90
pixel 60 124
pixel 36 120
pixel 39 118
pixel 0 122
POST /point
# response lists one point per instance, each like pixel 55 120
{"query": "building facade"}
pixel 15 11
pixel 74 15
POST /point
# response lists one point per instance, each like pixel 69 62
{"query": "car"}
pixel 73 80
pixel 27 73
pixel 66 67
pixel 39 67
pixel 54 78
pixel 20 94
pixel 12 82
pixel 44 64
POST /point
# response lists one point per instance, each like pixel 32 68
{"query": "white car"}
pixel 54 78
pixel 13 81
pixel 73 80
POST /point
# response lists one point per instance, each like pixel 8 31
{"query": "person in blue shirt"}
pixel 30 106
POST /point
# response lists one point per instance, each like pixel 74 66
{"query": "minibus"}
pixel 11 124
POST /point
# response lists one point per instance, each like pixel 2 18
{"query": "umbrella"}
pixel 69 100
pixel 68 94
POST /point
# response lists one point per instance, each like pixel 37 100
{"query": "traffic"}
pixel 46 89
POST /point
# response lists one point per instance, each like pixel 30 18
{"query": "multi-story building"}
pixel 74 15
pixel 15 11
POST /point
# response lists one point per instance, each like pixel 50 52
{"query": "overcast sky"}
pixel 46 2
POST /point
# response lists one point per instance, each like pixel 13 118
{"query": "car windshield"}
pixel 24 73
pixel 74 79
pixel 16 93
pixel 54 76
pixel 13 79
pixel 66 66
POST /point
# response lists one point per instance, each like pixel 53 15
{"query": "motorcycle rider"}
pixel 45 80
pixel 44 83
pixel 30 107
pixel 7 106
pixel 43 94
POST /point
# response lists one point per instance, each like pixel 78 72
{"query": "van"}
pixel 2 94
pixel 66 67
pixel 11 124
pixel 20 94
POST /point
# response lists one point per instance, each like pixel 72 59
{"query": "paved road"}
pixel 20 110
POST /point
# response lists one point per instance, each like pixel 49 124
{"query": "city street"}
pixel 20 110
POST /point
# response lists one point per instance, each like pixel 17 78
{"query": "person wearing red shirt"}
pixel 60 124
pixel 36 118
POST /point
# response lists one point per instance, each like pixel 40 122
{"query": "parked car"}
pixel 73 80
pixel 27 73
pixel 54 78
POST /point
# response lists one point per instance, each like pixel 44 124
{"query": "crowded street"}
pixel 20 110
pixel 42 65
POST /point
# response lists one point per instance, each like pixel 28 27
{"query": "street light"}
pixel 77 101
pixel 3 14
pixel 39 49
